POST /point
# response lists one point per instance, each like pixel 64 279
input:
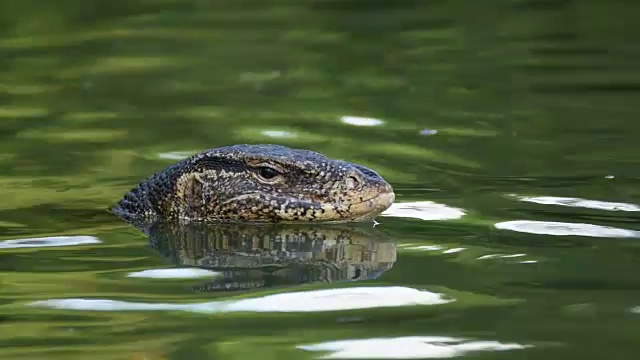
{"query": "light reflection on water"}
pixel 257 255
pixel 176 155
pixel 295 301
pixel 557 228
pixel 579 203
pixel 178 273
pixel 423 210
pixel 408 347
pixel 52 241
pixel 361 121
pixel 278 134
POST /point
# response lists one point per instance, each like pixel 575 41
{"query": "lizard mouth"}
pixel 290 209
pixel 372 207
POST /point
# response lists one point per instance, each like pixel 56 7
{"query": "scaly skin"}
pixel 259 183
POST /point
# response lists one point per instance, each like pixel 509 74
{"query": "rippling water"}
pixel 509 131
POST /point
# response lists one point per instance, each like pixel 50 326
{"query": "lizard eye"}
pixel 268 172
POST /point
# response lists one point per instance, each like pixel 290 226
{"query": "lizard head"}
pixel 268 183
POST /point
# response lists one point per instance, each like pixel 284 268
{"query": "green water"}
pixel 482 110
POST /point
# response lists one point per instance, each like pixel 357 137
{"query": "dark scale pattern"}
pixel 263 183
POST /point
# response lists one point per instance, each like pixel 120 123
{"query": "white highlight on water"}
pixel 408 347
pixel 580 203
pixel 50 241
pixel 300 301
pixel 361 121
pixel 425 247
pixel 183 273
pixel 175 155
pixel 423 210
pixel 566 229
pixel 278 134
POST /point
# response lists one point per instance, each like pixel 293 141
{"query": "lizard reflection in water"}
pixel 264 255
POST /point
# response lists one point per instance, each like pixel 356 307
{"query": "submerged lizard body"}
pixel 259 183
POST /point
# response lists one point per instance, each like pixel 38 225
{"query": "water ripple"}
pixel 361 121
pixel 491 256
pixel 423 210
pixel 175 155
pixel 301 301
pixel 48 242
pixel 184 273
pixel 278 133
pixel 444 250
pixel 566 229
pixel 578 202
pixel 408 347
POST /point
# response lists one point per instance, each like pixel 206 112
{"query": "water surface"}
pixel 509 131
